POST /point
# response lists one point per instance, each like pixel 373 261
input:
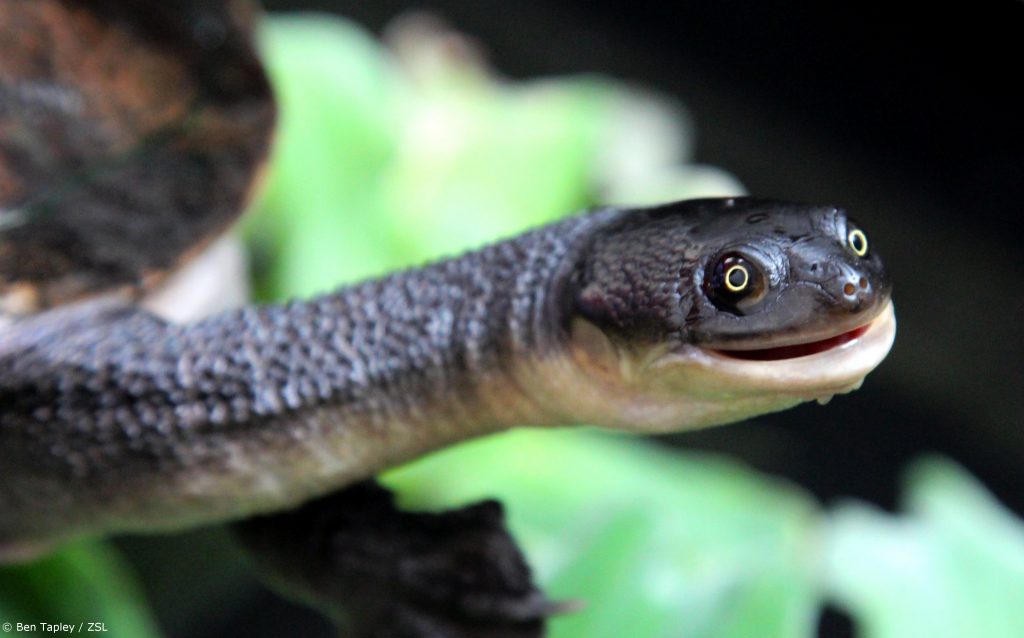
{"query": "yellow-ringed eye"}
pixel 858 242
pixel 735 283
pixel 736 278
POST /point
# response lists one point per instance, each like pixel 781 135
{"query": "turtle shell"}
pixel 130 137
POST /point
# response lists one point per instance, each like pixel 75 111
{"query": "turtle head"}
pixel 710 311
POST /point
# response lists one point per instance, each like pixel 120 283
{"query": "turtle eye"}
pixel 735 282
pixel 737 278
pixel 857 241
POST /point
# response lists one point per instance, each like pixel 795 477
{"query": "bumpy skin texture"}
pixel 646 275
pixel 113 420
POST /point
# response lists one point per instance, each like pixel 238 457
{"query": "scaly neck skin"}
pixel 132 424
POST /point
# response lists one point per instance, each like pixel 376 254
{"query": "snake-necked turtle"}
pixel 114 419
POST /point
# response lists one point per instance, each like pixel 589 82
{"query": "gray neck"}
pixel 431 348
pixel 131 423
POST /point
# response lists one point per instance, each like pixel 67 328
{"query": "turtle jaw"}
pixel 799 349
pixel 685 387
pixel 813 370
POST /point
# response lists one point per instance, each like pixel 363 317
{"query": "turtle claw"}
pixel 382 572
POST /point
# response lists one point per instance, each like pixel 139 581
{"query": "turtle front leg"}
pixel 382 572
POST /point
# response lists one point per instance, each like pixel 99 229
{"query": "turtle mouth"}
pixel 815 369
pixel 796 350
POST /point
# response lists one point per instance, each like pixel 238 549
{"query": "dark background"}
pixel 909 118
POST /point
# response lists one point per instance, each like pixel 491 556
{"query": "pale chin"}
pixel 690 387
pixel 816 376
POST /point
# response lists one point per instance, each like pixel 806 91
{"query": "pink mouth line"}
pixel 797 350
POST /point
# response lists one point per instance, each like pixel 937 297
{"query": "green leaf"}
pixel 336 94
pixel 383 161
pixel 953 566
pixel 655 541
pixel 82 583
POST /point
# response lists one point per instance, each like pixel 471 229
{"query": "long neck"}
pixel 148 425
pixel 434 352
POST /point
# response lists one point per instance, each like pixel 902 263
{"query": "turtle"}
pixel 117 416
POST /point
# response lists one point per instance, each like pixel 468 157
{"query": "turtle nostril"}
pixel 863 283
pixel 849 289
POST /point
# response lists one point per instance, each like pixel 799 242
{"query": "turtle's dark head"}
pixel 732 298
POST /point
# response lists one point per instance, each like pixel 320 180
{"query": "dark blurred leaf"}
pixel 129 136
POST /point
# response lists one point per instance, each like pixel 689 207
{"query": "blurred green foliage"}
pixel 82 583
pixel 386 158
